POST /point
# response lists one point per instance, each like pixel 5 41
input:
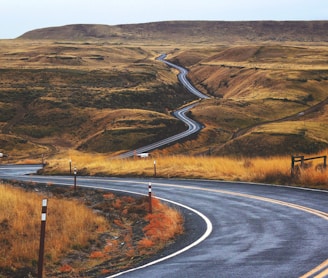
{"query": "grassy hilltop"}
pixel 98 88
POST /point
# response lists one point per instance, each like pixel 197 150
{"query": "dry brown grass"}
pixel 96 86
pixel 164 223
pixel 98 96
pixel 69 225
pixel 314 177
pixel 255 84
pixel 258 169
pixel 134 241
pixel 112 92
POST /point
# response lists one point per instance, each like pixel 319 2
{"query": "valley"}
pixel 111 95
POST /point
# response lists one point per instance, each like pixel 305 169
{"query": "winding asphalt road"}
pixel 234 229
pixel 192 126
pixel 182 76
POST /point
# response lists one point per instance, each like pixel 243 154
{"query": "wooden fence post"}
pixel 325 162
pixel 292 173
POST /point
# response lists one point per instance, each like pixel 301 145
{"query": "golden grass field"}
pixel 274 170
pixel 69 224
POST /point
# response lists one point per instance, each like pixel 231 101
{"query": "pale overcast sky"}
pixel 20 16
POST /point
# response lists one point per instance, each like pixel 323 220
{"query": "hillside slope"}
pixel 269 99
pixel 190 31
pixel 94 97
pixel 98 88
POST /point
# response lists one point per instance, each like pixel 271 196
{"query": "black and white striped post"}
pixel 75 173
pixel 42 236
pixel 149 198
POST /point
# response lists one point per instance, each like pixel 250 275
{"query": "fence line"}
pixel 301 159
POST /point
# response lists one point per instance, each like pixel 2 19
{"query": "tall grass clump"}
pixel 69 225
pixel 316 178
pixel 164 223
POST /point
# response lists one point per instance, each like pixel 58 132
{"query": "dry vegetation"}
pixel 70 225
pixel 89 93
pixel 49 102
pixel 260 91
pixel 112 98
pixel 91 234
pixel 190 32
pixel 275 170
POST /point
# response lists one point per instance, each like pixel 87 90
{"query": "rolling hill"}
pixel 98 88
pixel 191 31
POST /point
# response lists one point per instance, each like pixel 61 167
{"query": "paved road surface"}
pixel 182 76
pixel 253 230
pixel 192 127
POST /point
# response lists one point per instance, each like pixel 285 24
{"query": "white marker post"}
pixel 155 168
pixel 2 155
pixel 42 236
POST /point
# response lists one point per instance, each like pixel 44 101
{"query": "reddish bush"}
pixel 145 243
pixel 65 268
pixel 96 254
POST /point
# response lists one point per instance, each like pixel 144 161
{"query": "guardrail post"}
pixel 42 236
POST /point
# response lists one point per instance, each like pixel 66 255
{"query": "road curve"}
pixel 182 76
pixel 257 230
pixel 192 126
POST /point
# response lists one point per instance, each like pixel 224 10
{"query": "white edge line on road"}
pixel 209 228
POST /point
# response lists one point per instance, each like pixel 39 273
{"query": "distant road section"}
pixel 192 126
pixel 182 76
